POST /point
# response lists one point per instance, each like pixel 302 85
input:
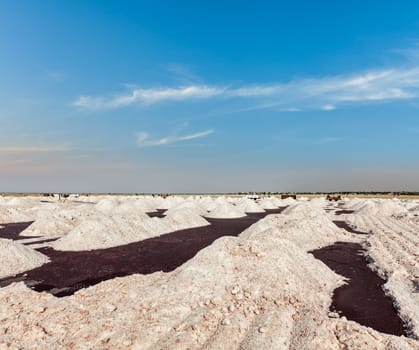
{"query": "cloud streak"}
pixel 149 96
pixel 321 93
pixel 144 140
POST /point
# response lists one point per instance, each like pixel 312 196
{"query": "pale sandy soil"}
pixel 261 290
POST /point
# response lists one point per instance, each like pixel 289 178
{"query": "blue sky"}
pixel 187 96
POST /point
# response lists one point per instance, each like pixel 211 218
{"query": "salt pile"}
pixel 382 207
pixel 261 292
pixel 124 205
pixel 52 221
pixel 170 202
pixel 304 210
pixel 107 205
pixel 14 210
pixel 90 235
pixel 10 215
pixel 140 205
pixel 307 230
pixel 249 206
pixel 183 219
pixel 207 203
pixel 189 206
pixel 109 231
pixel 16 258
pixel 270 203
pixel 50 226
pixel 225 210
pixel 118 229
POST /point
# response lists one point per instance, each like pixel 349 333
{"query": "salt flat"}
pixel 260 289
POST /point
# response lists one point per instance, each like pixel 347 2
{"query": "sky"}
pixel 209 96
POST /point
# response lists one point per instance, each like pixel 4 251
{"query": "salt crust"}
pixel 16 258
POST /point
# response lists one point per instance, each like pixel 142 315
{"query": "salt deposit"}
pixel 207 203
pixel 107 204
pixel 377 206
pixel 261 290
pixel 188 206
pixel 16 258
pixel 119 229
pixel 9 215
pixel 170 202
pixel 307 227
pixel 268 203
pixel 226 210
pixel 249 206
pixel 303 210
pixel 53 221
pixel 183 219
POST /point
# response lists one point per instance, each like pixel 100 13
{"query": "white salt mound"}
pixel 382 207
pixel 183 219
pixel 88 235
pixel 107 204
pixel 115 230
pixel 304 210
pixel 170 202
pixel 107 232
pixel 191 207
pixel 207 203
pixel 9 215
pixel 268 203
pixel 143 205
pixel 250 206
pixel 305 230
pixel 225 210
pixel 16 258
pixel 49 227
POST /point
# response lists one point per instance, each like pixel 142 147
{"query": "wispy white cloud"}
pixel 144 140
pixel 197 135
pixel 328 107
pixel 149 96
pixel 321 93
pixel 255 91
pixel 292 109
